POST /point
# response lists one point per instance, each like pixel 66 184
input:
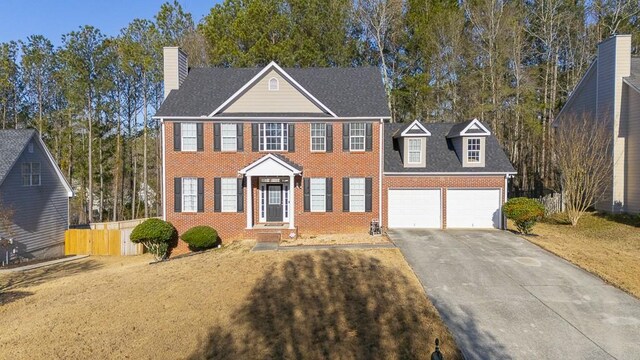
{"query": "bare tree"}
pixel 584 160
pixel 6 219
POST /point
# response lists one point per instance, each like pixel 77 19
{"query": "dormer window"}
pixel 473 150
pixel 273 84
pixel 414 149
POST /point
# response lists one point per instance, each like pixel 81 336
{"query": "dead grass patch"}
pixel 225 304
pixel 336 239
pixel 606 246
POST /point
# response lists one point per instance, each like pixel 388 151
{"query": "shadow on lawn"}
pixel 23 279
pixel 335 305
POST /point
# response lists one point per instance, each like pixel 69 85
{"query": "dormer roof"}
pixel 468 128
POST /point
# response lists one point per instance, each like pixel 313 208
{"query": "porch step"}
pixel 268 237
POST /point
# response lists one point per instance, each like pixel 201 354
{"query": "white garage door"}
pixel 473 208
pixel 414 208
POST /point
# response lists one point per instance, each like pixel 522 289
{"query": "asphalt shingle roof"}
pixel 12 143
pixel 634 79
pixel 441 156
pixel 348 92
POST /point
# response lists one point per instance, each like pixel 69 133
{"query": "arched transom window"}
pixel 273 84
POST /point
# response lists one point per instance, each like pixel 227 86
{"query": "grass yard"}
pixel 608 246
pixel 225 304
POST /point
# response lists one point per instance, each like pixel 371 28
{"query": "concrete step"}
pixel 272 237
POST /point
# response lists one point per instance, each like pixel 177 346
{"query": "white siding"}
pixel 259 98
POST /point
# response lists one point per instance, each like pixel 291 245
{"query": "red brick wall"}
pixel 208 164
pixel 442 182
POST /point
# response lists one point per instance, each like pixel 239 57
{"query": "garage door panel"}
pixel 473 208
pixel 415 208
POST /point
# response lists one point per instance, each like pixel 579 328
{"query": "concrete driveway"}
pixel 505 298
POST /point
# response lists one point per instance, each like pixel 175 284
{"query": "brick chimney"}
pixel 176 68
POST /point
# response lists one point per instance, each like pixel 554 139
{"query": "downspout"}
pixel 164 172
pixel 506 196
pixel 380 168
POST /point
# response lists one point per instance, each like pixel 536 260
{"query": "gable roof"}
pixel 277 159
pixel 347 92
pixel 441 156
pixel 471 127
pixel 13 143
pixel 414 129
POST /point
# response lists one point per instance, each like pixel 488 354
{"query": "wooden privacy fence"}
pixel 553 203
pixel 103 239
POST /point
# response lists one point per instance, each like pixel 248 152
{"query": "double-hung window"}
pixel 357 195
pixel 414 151
pixel 229 137
pixel 229 194
pixel 473 150
pixel 318 192
pixel 189 137
pixel 189 194
pixel 357 134
pixel 318 137
pixel 274 137
pixel 31 174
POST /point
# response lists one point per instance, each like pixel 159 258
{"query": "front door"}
pixel 274 202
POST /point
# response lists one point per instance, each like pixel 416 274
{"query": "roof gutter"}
pixel 262 118
pixel 449 173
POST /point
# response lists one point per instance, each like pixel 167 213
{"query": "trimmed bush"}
pixel 524 212
pixel 200 237
pixel 156 235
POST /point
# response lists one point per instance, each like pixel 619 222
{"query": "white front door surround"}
pixel 271 167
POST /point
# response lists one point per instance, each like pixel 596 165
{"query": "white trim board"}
pixel 273 172
pixel 475 124
pixel 272 66
pixel 412 126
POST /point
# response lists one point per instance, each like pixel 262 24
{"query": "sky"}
pixel 53 18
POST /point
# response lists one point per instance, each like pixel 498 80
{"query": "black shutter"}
pixel 200 194
pixel 345 137
pixel 367 194
pixel 216 137
pixel 177 195
pixel 217 196
pixel 199 137
pixel 240 134
pixel 345 194
pixel 177 138
pixel 255 137
pixel 329 194
pixel 369 137
pixel 292 138
pixel 329 138
pixel 240 196
pixel 307 194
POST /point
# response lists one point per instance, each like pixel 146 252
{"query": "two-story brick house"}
pixel 255 150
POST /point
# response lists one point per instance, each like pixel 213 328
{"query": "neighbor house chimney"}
pixel 176 67
pixel 614 63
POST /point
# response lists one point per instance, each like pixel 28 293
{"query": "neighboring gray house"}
pixel 33 187
pixel 610 90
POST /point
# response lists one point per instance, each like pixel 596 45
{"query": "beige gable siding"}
pixel 260 99
pixel 631 116
pixel 175 69
pixel 583 100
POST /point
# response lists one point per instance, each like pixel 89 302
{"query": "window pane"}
pixel 229 194
pixel 356 135
pixel 318 194
pixel 473 150
pixel 414 147
pixel 189 194
pixel 356 194
pixel 318 136
pixel 273 136
pixel 189 133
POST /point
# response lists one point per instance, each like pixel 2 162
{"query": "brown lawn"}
pixel 608 246
pixel 225 304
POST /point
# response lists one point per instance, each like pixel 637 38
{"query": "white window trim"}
pixel 183 209
pixel 182 137
pixel 364 195
pixel 409 151
pixel 235 194
pixel 277 82
pixel 324 195
pixel 263 197
pixel 364 138
pixel 235 138
pixel 324 138
pixel 469 160
pixel 31 173
pixel 284 136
